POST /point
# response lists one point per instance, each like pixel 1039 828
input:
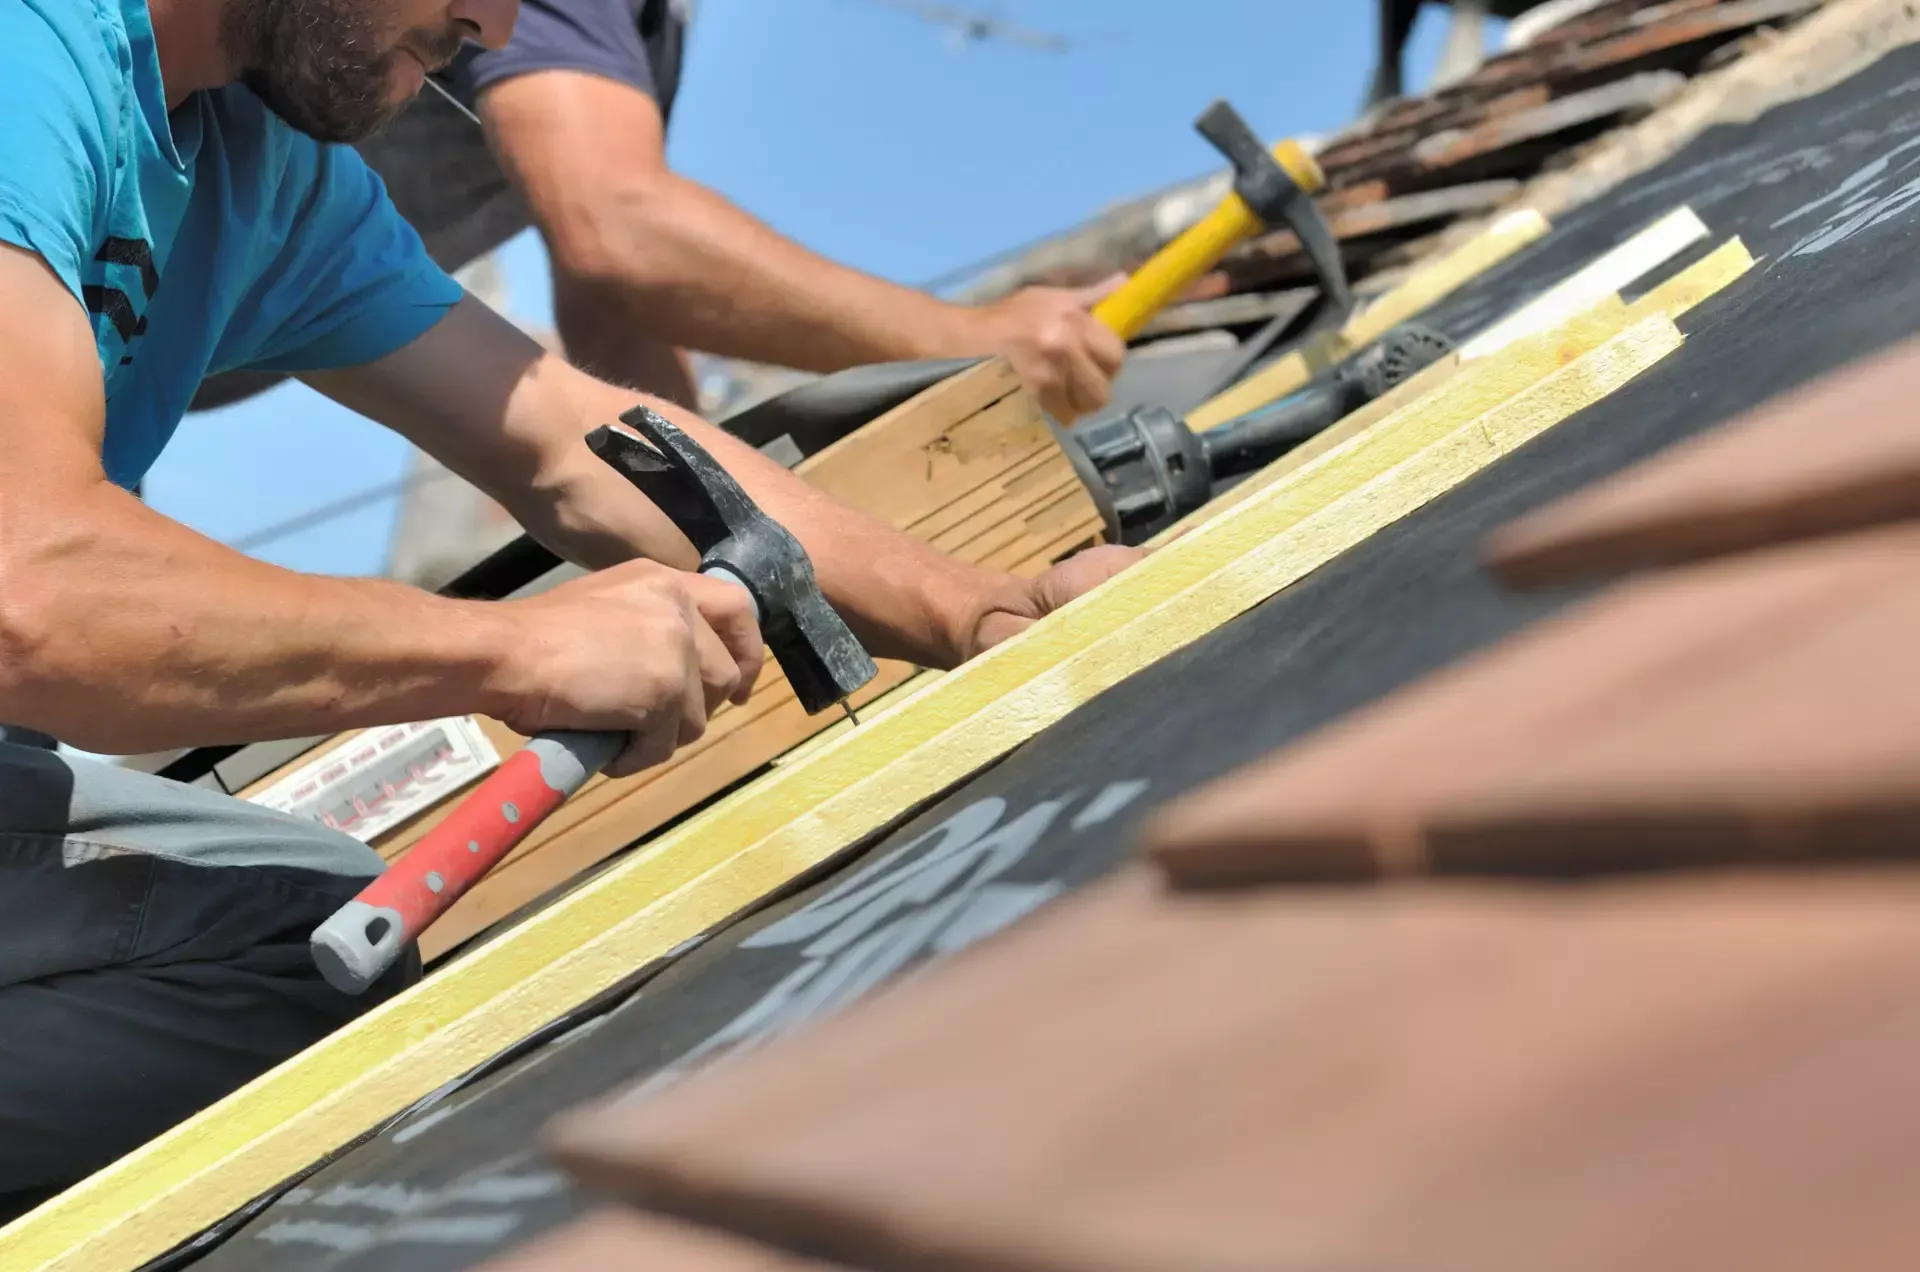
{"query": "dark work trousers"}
pixel 153 957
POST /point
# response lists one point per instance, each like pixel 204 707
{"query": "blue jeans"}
pixel 153 957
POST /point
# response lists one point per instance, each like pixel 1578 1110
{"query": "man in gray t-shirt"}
pixel 646 263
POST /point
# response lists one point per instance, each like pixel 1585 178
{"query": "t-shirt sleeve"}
pixel 600 37
pixel 53 147
pixel 350 280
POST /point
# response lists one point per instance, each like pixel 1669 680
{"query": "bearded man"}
pixel 174 202
pixel 565 130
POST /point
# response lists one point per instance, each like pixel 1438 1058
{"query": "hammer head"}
pixel 823 660
pixel 1281 196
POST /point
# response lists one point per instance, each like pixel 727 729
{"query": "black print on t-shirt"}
pixel 116 304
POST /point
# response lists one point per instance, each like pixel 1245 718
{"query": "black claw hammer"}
pixel 823 661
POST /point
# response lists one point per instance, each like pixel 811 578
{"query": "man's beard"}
pixel 319 65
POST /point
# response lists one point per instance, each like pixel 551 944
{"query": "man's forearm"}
pixel 482 397
pixel 644 258
pixel 126 632
pixel 905 599
pixel 685 266
pixel 637 249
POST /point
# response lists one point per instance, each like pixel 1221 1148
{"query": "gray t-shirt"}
pixel 435 161
pixel 637 42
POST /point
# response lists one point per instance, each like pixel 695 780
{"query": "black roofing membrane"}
pixel 1822 190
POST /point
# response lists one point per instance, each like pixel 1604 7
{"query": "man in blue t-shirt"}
pixel 172 203
pixel 646 263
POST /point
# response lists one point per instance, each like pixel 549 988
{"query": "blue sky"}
pixel 864 133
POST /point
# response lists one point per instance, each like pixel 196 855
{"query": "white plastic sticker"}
pixel 384 776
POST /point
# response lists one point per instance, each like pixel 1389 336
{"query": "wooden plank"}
pixel 984 536
pixel 892 697
pixel 789 822
pixel 939 520
pixel 920 457
pixel 1037 484
pixel 1035 551
pixel 968 465
pixel 1697 283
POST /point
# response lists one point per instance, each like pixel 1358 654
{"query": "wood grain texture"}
pixel 1659 1075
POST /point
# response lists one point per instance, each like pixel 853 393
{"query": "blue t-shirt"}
pixel 215 239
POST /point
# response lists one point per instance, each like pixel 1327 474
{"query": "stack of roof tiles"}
pixel 1419 166
pixel 1420 163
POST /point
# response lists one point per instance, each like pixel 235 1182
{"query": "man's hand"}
pixel 638 648
pixel 1020 602
pixel 1065 355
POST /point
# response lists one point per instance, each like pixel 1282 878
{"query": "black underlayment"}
pixel 1821 189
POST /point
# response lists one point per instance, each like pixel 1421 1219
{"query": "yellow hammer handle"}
pixel 1176 267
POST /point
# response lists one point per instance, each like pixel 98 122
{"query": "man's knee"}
pixel 112 1057
pixel 147 988
pixel 44 793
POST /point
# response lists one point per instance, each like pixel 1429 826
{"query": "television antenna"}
pixel 967 27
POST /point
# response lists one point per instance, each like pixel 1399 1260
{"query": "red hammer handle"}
pixel 362 939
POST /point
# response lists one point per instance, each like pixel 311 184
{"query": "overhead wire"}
pixel 332 511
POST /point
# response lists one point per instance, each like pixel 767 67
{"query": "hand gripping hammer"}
pixel 823 661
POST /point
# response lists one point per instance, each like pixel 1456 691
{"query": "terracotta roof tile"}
pixel 1842 454
pixel 615 1239
pixel 1649 1075
pixel 1749 710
